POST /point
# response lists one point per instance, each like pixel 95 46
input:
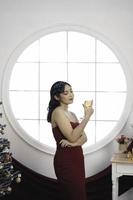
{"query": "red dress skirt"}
pixel 69 168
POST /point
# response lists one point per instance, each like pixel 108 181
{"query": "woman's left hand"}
pixel 65 143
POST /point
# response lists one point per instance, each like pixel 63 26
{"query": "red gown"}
pixel 69 168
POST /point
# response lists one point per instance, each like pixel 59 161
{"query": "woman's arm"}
pixel 64 124
pixel 80 141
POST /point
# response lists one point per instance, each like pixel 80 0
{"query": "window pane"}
pixel 44 101
pixel 82 76
pixel 30 54
pixel 53 47
pixel 103 129
pixel 24 104
pixel 46 135
pixel 77 106
pixel 110 77
pixel 109 106
pixel 31 127
pixel 50 73
pixel 90 132
pixel 24 77
pixel 81 47
pixel 104 53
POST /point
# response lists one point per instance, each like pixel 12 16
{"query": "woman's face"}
pixel 67 96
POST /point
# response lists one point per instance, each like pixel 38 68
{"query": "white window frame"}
pixel 12 60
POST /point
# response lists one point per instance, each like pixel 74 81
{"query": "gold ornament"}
pixel 18 179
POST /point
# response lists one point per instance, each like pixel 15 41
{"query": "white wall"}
pixel 112 19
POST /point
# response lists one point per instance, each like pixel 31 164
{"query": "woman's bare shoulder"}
pixel 55 114
pixel 57 111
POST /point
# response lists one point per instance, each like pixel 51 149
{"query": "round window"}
pixel 87 64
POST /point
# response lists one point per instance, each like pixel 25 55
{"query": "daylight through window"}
pixel 82 60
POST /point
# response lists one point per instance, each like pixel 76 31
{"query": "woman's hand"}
pixel 66 143
pixel 80 141
pixel 88 111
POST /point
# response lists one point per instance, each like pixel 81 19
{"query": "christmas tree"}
pixel 7 172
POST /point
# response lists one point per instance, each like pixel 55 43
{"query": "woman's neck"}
pixel 64 107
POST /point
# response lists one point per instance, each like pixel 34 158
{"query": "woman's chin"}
pixel 71 101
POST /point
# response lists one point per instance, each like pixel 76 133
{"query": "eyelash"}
pixel 67 93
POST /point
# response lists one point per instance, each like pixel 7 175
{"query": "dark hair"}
pixel 56 89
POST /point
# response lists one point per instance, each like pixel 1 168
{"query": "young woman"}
pixel 70 136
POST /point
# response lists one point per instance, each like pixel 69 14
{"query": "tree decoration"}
pixel 7 172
